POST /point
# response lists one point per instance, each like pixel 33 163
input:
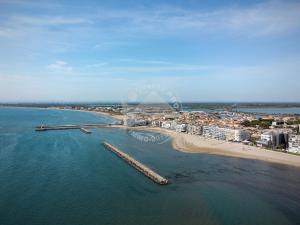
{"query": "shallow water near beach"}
pixel 68 177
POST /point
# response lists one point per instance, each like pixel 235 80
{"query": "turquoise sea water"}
pixel 67 177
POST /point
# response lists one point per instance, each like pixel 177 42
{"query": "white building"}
pixel 173 125
pixel 294 144
pixel 227 134
pixel 166 124
pixel 274 139
pixel 266 139
pixel 194 129
pixel 242 135
pixel 213 132
pixel 132 122
pixel 207 131
pixel 156 123
pixel 237 135
pixel 180 128
pixel 219 133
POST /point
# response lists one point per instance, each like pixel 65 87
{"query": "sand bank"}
pixel 198 144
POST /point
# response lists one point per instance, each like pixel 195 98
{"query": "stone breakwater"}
pixel 137 165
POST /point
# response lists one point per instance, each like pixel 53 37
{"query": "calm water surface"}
pixel 67 177
pixel 259 110
pixel 272 110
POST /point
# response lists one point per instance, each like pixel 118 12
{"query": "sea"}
pixel 252 110
pixel 271 110
pixel 68 178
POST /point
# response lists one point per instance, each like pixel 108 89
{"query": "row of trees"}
pixel 263 123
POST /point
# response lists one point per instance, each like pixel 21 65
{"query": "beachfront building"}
pixel 173 125
pixel 194 129
pixel 229 134
pixel 133 122
pixel 236 135
pixel 242 135
pixel 274 139
pixel 180 128
pixel 266 139
pixel 156 123
pixel 166 124
pixel 207 131
pixel 214 132
pixel 294 144
pixel 218 133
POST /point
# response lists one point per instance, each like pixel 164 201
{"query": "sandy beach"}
pixel 116 117
pixel 198 144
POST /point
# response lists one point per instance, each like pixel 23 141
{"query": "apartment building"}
pixel 194 129
pixel 294 144
pixel 214 132
pixel 274 139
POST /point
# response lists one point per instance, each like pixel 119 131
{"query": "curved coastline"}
pixel 197 144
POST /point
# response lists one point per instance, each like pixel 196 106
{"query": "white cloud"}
pixel 88 31
pixel 47 20
pixel 31 4
pixel 268 18
pixel 264 19
pixel 7 33
pixel 271 18
pixel 150 62
pixel 116 43
pixel 155 69
pixel 60 66
pixel 240 83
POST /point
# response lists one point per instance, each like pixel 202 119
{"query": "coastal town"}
pixel 272 132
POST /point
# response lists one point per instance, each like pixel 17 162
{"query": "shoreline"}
pixel 115 117
pixel 198 144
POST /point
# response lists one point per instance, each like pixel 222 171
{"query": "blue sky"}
pixel 104 50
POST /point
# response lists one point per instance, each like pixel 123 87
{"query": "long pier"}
pixel 67 127
pixel 137 165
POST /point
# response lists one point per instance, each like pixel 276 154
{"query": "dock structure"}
pixel 137 165
pixel 68 127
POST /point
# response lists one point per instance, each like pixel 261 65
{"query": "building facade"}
pixel 194 129
pixel 274 139
pixel 294 144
